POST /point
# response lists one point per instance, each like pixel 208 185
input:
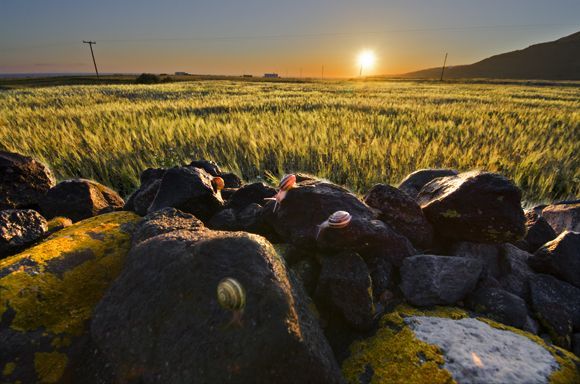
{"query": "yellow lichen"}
pixel 567 373
pixel 58 223
pixel 49 366
pixel 8 368
pixel 395 356
pixel 62 302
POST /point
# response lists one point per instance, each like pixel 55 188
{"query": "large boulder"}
pixel 505 264
pixel 189 190
pixel 402 213
pixel 309 205
pixel 79 199
pixel 48 293
pixel 564 216
pixel 141 199
pixel 164 221
pixel 538 232
pixel 161 321
pixel 438 280
pixel 446 346
pixel 413 182
pixel 370 238
pixel 474 206
pixel 560 257
pixel 23 181
pixel 20 228
pixel 499 305
pixel 344 288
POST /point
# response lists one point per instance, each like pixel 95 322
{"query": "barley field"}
pixel 351 132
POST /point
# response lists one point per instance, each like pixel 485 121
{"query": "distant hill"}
pixel 555 60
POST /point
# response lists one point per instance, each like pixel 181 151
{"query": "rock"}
pixel 550 295
pixel 307 206
pixel 576 344
pixel 141 199
pixel 209 166
pixel 189 190
pixel 79 199
pixel 49 292
pixel 369 238
pixel 164 221
pixel 254 193
pixel 563 216
pixel 505 263
pixel 438 280
pixel 249 219
pixel 413 183
pixel 557 307
pixel 499 305
pixel 538 232
pixel 560 257
pixel 20 228
pixel 344 287
pixel 57 223
pixel 446 346
pixel 231 180
pixel 382 276
pixel 474 206
pixel 402 213
pixel 23 181
pixel 307 271
pixel 161 322
pixel 531 326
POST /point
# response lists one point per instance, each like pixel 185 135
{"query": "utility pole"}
pixel 90 43
pixel 360 72
pixel 322 72
pixel 443 69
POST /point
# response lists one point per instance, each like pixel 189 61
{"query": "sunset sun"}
pixel 366 60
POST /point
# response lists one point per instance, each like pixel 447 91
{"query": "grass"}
pixel 351 132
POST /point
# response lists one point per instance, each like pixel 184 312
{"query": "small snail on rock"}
pixel 218 183
pixel 287 183
pixel 231 296
pixel 339 219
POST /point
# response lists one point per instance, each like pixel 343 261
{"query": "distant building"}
pixel 181 74
pixel 271 75
pixel 248 76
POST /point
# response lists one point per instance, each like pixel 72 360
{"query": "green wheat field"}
pixel 353 133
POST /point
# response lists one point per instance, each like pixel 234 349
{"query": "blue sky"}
pixel 256 36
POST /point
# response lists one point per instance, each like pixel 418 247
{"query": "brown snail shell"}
pixel 218 183
pixel 231 295
pixel 287 182
pixel 339 219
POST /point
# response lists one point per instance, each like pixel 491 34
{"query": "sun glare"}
pixel 366 60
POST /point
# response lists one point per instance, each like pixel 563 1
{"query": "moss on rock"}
pixel 48 292
pixel 395 355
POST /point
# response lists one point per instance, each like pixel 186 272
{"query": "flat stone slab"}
pixel 476 353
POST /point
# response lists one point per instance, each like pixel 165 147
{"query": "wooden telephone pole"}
pixel 443 69
pixel 90 43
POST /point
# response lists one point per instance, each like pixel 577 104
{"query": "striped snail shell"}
pixel 218 183
pixel 231 294
pixel 287 182
pixel 339 219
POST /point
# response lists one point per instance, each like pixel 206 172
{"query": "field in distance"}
pixel 351 132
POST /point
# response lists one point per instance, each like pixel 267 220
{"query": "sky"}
pixel 257 36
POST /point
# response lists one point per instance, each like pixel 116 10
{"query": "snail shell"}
pixel 218 183
pixel 287 182
pixel 231 294
pixel 339 219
